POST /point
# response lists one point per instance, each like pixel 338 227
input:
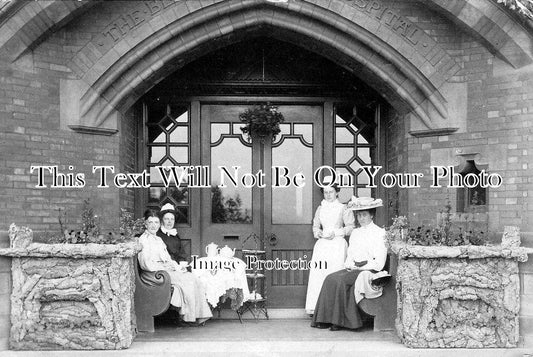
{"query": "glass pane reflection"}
pixel 179 135
pixel 343 155
pixel 217 130
pixel 182 214
pixel 183 118
pixel 156 194
pixel 180 154
pixel 230 204
pixel 179 195
pixel 157 153
pixel 306 130
pixel 293 205
pixel 364 155
pixel 343 136
pixel 156 135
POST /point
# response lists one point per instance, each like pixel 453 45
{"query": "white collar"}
pixel 330 204
pixel 169 232
pixel 370 225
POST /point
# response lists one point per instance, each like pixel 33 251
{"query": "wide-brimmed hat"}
pixel 364 203
pixel 167 208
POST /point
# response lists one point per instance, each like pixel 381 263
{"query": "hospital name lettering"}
pixel 234 176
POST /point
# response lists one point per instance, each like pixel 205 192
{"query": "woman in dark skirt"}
pixel 336 307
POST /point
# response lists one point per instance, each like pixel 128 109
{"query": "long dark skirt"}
pixel 336 302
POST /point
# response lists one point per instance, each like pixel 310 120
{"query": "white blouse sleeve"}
pixel 348 263
pixel 378 254
pixel 348 221
pixel 316 223
pixel 149 258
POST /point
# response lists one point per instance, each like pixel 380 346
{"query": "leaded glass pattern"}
pixel 355 144
pixel 168 127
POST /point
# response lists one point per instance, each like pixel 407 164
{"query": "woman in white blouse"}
pixel 188 294
pixel 331 224
pixel 336 307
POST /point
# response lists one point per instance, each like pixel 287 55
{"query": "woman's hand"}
pixel 349 266
pixel 329 235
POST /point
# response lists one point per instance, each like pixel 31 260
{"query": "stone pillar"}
pixel 461 297
pixel 68 296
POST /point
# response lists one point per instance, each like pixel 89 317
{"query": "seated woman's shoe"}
pixel 321 325
pixel 335 328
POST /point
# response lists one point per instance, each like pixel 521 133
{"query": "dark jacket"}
pixel 174 247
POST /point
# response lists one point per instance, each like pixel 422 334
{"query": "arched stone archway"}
pixel 401 61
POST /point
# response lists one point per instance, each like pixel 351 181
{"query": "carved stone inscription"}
pixel 390 18
pixel 130 20
pixel 146 10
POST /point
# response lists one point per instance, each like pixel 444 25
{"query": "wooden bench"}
pixel 383 308
pixel 152 296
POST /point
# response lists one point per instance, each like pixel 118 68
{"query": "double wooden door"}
pixel 281 212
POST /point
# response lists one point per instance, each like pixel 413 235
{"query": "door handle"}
pixel 272 239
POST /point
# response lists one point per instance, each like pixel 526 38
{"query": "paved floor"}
pixel 275 337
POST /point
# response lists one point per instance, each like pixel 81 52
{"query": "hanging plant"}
pixel 262 121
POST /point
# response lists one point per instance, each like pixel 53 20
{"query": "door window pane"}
pixel 293 205
pixel 306 130
pixel 233 203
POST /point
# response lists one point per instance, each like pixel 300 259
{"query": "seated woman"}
pixel 188 294
pixel 169 234
pixel 336 307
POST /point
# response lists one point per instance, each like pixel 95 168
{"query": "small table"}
pixel 219 275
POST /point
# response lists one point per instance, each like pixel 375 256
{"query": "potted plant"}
pixel 454 288
pixel 75 291
pixel 262 121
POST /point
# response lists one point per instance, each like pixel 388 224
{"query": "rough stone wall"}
pixel 62 303
pixel 463 303
pixel 526 294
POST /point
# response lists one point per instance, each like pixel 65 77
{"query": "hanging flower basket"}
pixel 261 121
